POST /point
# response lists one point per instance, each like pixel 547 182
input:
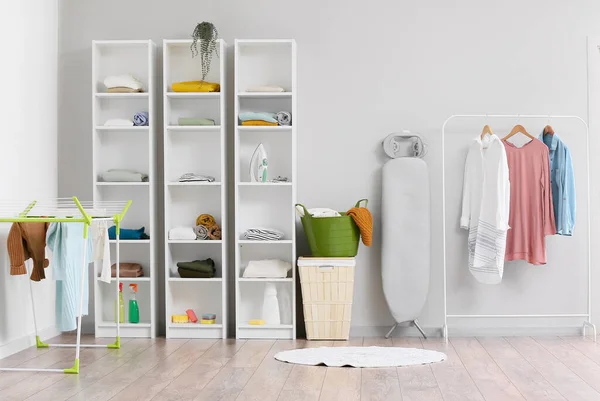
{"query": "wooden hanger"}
pixel 516 129
pixel 548 130
pixel 486 130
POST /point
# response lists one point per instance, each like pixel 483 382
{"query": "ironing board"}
pixel 405 250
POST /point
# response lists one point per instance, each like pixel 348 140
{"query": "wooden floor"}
pixel 519 368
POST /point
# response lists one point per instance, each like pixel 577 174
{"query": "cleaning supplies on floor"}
pixel 141 119
pixel 193 177
pixel 128 233
pixel 191 316
pixel 134 308
pixel 318 212
pixel 259 164
pixel 182 233
pixel 284 118
pixel 196 86
pixel 263 234
pixel 127 269
pixel 122 175
pixel 265 88
pixel 123 84
pixel 197 269
pixel 208 318
pixel 121 305
pixel 191 121
pixel 268 268
pixel 180 319
pixel 118 122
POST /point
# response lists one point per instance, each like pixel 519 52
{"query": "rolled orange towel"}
pixel 364 220
pixel 205 220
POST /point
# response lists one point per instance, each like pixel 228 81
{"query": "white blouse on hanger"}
pixel 485 207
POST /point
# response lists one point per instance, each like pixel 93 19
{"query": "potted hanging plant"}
pixel 204 44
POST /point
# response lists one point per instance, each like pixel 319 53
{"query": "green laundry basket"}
pixel 331 237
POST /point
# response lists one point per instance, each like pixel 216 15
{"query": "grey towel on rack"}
pixel 201 232
pixel 263 234
pixel 284 118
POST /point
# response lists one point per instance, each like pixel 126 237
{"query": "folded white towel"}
pixel 125 80
pixel 265 88
pixel 183 233
pixel 318 212
pixel 118 122
pixel 269 268
pixel 263 234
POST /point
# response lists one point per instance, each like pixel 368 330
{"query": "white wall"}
pixel 367 69
pixel 28 166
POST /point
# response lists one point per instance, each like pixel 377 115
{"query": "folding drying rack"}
pixel 68 210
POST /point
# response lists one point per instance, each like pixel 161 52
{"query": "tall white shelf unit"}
pixel 265 62
pixel 126 148
pixel 201 150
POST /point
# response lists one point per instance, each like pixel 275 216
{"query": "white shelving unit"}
pixel 126 148
pixel 265 62
pixel 201 150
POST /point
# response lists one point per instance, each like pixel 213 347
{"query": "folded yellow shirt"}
pixel 196 86
pixel 259 122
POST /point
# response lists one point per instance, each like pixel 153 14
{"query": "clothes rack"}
pixel 68 210
pixel 587 316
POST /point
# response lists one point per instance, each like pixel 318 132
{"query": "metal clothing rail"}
pixel 588 315
pixel 68 210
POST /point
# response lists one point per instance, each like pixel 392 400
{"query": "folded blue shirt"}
pixel 258 115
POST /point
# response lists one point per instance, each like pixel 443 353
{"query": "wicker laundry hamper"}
pixel 327 293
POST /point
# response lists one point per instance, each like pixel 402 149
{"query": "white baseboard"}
pixel 380 331
pixel 26 341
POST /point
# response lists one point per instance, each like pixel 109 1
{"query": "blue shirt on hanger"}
pixel 562 181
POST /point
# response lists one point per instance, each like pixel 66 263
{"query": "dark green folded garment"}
pixel 197 269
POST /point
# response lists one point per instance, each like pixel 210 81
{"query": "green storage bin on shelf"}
pixel 331 237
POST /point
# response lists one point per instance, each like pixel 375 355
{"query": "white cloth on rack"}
pixel 486 207
pixel 182 233
pixel 101 244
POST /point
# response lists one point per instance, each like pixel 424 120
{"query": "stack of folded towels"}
pixel 123 84
pixel 117 175
pixel 197 269
pixel 265 88
pixel 191 121
pixel 264 118
pixel 127 270
pixel 196 86
pixel 268 268
pixel 263 234
pixel 193 177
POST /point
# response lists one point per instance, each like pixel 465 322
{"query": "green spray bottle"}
pixel 121 305
pixel 134 310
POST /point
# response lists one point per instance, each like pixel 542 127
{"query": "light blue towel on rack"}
pixel 261 116
pixel 66 242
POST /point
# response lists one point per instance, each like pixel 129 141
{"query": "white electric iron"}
pixel 259 164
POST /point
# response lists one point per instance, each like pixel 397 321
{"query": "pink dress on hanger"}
pixel 531 210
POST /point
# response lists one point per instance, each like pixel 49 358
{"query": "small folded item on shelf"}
pixel 123 81
pixel 268 268
pixel 214 233
pixel 318 212
pixel 196 86
pixel 182 233
pixel 205 321
pixel 256 322
pixel 280 179
pixel 118 122
pixel 128 233
pixel 141 119
pixel 180 319
pixel 119 175
pixel 192 316
pixel 258 123
pixel 284 118
pixel 209 316
pixel 201 233
pixel 205 220
pixel 187 121
pixel 193 177
pixel 263 234
pixel 127 269
pixel 258 116
pixel 265 88
pixel 123 89
pixel 197 269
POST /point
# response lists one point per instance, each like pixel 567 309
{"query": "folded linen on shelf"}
pixel 118 122
pixel 265 88
pixel 195 121
pixel 127 269
pixel 284 118
pixel 254 123
pixel 318 212
pixel 141 119
pixel 128 233
pixel 182 233
pixel 263 234
pixel 193 177
pixel 268 268
pixel 123 89
pixel 201 232
pixel 123 81
pixel 258 115
pixel 197 269
pixel 118 175
pixel 196 86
